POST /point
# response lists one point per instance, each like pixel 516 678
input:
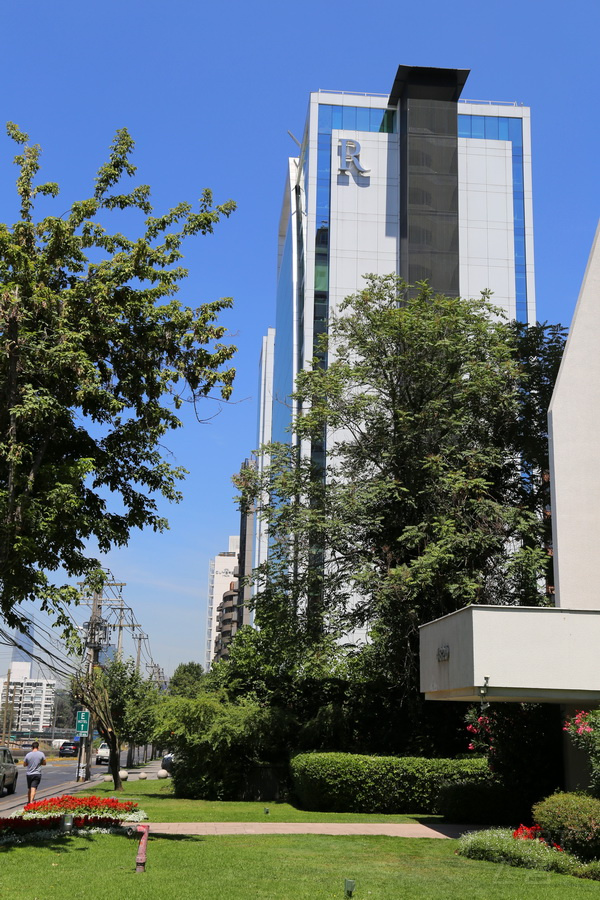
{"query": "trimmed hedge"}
pixel 345 782
pixel 571 820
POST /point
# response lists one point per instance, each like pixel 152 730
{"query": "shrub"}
pixel 481 802
pixel 573 821
pixel 217 744
pixel 344 782
pixel 498 845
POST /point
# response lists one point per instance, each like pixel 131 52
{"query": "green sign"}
pixel 83 723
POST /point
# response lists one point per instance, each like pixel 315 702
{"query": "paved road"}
pixel 55 773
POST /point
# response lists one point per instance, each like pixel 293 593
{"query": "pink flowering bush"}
pixel 584 730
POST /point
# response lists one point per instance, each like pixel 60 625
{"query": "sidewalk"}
pixel 406 830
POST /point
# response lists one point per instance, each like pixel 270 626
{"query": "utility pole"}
pixel 6 710
pixel 120 627
pixel 139 638
pixel 95 639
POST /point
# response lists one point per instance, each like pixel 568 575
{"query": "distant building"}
pixel 221 577
pixel 234 609
pixel 29 701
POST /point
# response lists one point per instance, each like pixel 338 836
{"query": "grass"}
pixel 156 798
pixel 268 867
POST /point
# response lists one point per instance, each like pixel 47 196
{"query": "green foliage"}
pixel 186 680
pixel 584 730
pixel 353 783
pixel 571 820
pixel 433 496
pixel 499 846
pixel 96 357
pixel 481 802
pixel 215 743
pixel 122 703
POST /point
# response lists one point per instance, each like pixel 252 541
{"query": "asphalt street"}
pixel 55 773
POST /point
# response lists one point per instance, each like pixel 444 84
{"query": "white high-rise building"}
pixel 416 182
pixel 221 574
pixel 29 702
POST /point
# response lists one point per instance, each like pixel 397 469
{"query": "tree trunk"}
pixel 115 761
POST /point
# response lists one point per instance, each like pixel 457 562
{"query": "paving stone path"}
pixel 407 829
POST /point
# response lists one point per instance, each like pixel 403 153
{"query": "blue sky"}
pixel 209 92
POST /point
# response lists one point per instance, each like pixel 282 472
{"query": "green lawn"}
pixel 268 867
pixel 156 798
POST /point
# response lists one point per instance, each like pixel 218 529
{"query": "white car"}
pixel 103 755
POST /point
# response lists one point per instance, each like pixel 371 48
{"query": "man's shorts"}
pixel 33 780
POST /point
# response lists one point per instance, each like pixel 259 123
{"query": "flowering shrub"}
pixel 480 732
pixel 533 834
pixel 89 806
pixel 87 812
pixel 580 725
pixel 584 730
pixel 498 845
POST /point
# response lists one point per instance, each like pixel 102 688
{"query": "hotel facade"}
pixel 416 182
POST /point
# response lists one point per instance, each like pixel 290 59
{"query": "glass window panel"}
pixel 491 128
pixel 388 122
pixel 363 119
pixel 336 116
pixel 321 277
pixel 515 131
pixel 517 174
pixel 323 162
pixel 323 193
pixel 349 118
pixel 325 119
pixel 477 126
pixel 376 119
pixel 324 140
pixel 464 126
pixel 503 134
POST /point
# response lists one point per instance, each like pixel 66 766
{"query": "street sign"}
pixel 83 723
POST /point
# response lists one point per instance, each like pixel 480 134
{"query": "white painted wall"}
pixel 574 422
pixel 526 654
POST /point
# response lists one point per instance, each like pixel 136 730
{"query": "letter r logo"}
pixel 349 151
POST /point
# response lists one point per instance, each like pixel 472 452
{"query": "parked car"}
pixel 103 755
pixel 8 772
pixel 69 748
pixel 167 762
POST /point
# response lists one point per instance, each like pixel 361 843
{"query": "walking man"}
pixel 34 761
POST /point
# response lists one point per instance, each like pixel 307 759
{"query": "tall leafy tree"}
pixel 428 501
pixel 186 680
pixel 122 704
pixel 97 356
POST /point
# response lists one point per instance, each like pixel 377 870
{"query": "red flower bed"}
pixel 533 834
pixel 82 805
